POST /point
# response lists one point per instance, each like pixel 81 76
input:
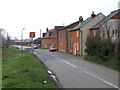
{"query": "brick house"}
pixel 79 34
pixel 109 25
pixel 63 37
pixel 50 38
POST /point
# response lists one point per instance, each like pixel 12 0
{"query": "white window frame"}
pixel 77 46
pixel 77 33
pixel 114 32
pixel 61 40
pixel 94 32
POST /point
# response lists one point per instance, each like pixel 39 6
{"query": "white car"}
pixel 35 46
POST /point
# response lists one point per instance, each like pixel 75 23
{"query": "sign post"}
pixel 32 35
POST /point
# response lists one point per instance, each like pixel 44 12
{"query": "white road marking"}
pixel 57 58
pixel 70 64
pixel 102 79
pixel 67 62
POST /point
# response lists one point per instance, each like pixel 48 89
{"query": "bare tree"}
pixel 4 38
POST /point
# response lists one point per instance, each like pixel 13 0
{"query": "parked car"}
pixel 35 46
pixel 52 48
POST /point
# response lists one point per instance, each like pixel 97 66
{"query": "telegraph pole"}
pixel 40 33
pixel 22 38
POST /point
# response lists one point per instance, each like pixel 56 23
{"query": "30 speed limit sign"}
pixel 32 34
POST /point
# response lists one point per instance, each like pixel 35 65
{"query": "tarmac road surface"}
pixel 73 72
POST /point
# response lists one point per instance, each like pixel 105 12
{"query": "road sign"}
pixel 32 34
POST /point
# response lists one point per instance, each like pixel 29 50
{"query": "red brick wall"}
pixel 47 42
pixel 51 41
pixel 92 32
pixel 74 39
pixel 62 35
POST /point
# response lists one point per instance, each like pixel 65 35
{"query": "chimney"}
pixel 93 15
pixel 46 30
pixel 80 19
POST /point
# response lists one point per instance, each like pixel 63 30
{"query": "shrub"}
pixel 104 49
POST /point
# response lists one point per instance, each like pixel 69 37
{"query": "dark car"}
pixel 52 48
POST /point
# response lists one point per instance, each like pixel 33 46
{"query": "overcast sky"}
pixel 34 15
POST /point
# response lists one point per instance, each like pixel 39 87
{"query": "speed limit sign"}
pixel 32 34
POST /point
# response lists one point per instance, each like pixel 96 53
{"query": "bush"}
pixel 99 48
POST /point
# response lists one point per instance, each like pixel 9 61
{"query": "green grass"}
pixel 112 63
pixel 23 70
pixel 0 69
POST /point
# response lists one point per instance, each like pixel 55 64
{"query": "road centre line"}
pixel 67 62
pixel 70 64
pixel 102 79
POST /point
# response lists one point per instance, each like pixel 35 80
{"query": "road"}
pixel 73 72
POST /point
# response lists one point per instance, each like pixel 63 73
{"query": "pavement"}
pixel 74 72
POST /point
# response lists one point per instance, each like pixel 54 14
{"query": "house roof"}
pixel 47 34
pixel 81 24
pixel 58 27
pixel 51 30
pixel 68 25
pixel 113 13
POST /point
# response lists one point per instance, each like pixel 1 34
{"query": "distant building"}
pixel 18 42
pixel 50 38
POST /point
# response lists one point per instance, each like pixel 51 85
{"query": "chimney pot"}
pixel 93 15
pixel 46 30
pixel 80 19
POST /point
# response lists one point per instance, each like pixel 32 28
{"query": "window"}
pixel 70 34
pixel 114 32
pixel 61 40
pixel 45 45
pixel 77 33
pixel 50 33
pixel 77 46
pixel 70 44
pixel 94 32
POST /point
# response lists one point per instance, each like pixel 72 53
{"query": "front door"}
pixel 74 48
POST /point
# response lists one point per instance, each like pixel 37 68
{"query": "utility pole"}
pixel 22 38
pixel 40 33
pixel 7 40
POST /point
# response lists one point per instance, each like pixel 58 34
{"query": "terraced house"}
pixel 108 27
pixel 50 38
pixel 79 34
pixel 63 37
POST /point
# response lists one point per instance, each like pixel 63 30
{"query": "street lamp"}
pixel 22 38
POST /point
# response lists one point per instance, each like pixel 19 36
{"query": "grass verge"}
pixel 112 63
pixel 23 70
